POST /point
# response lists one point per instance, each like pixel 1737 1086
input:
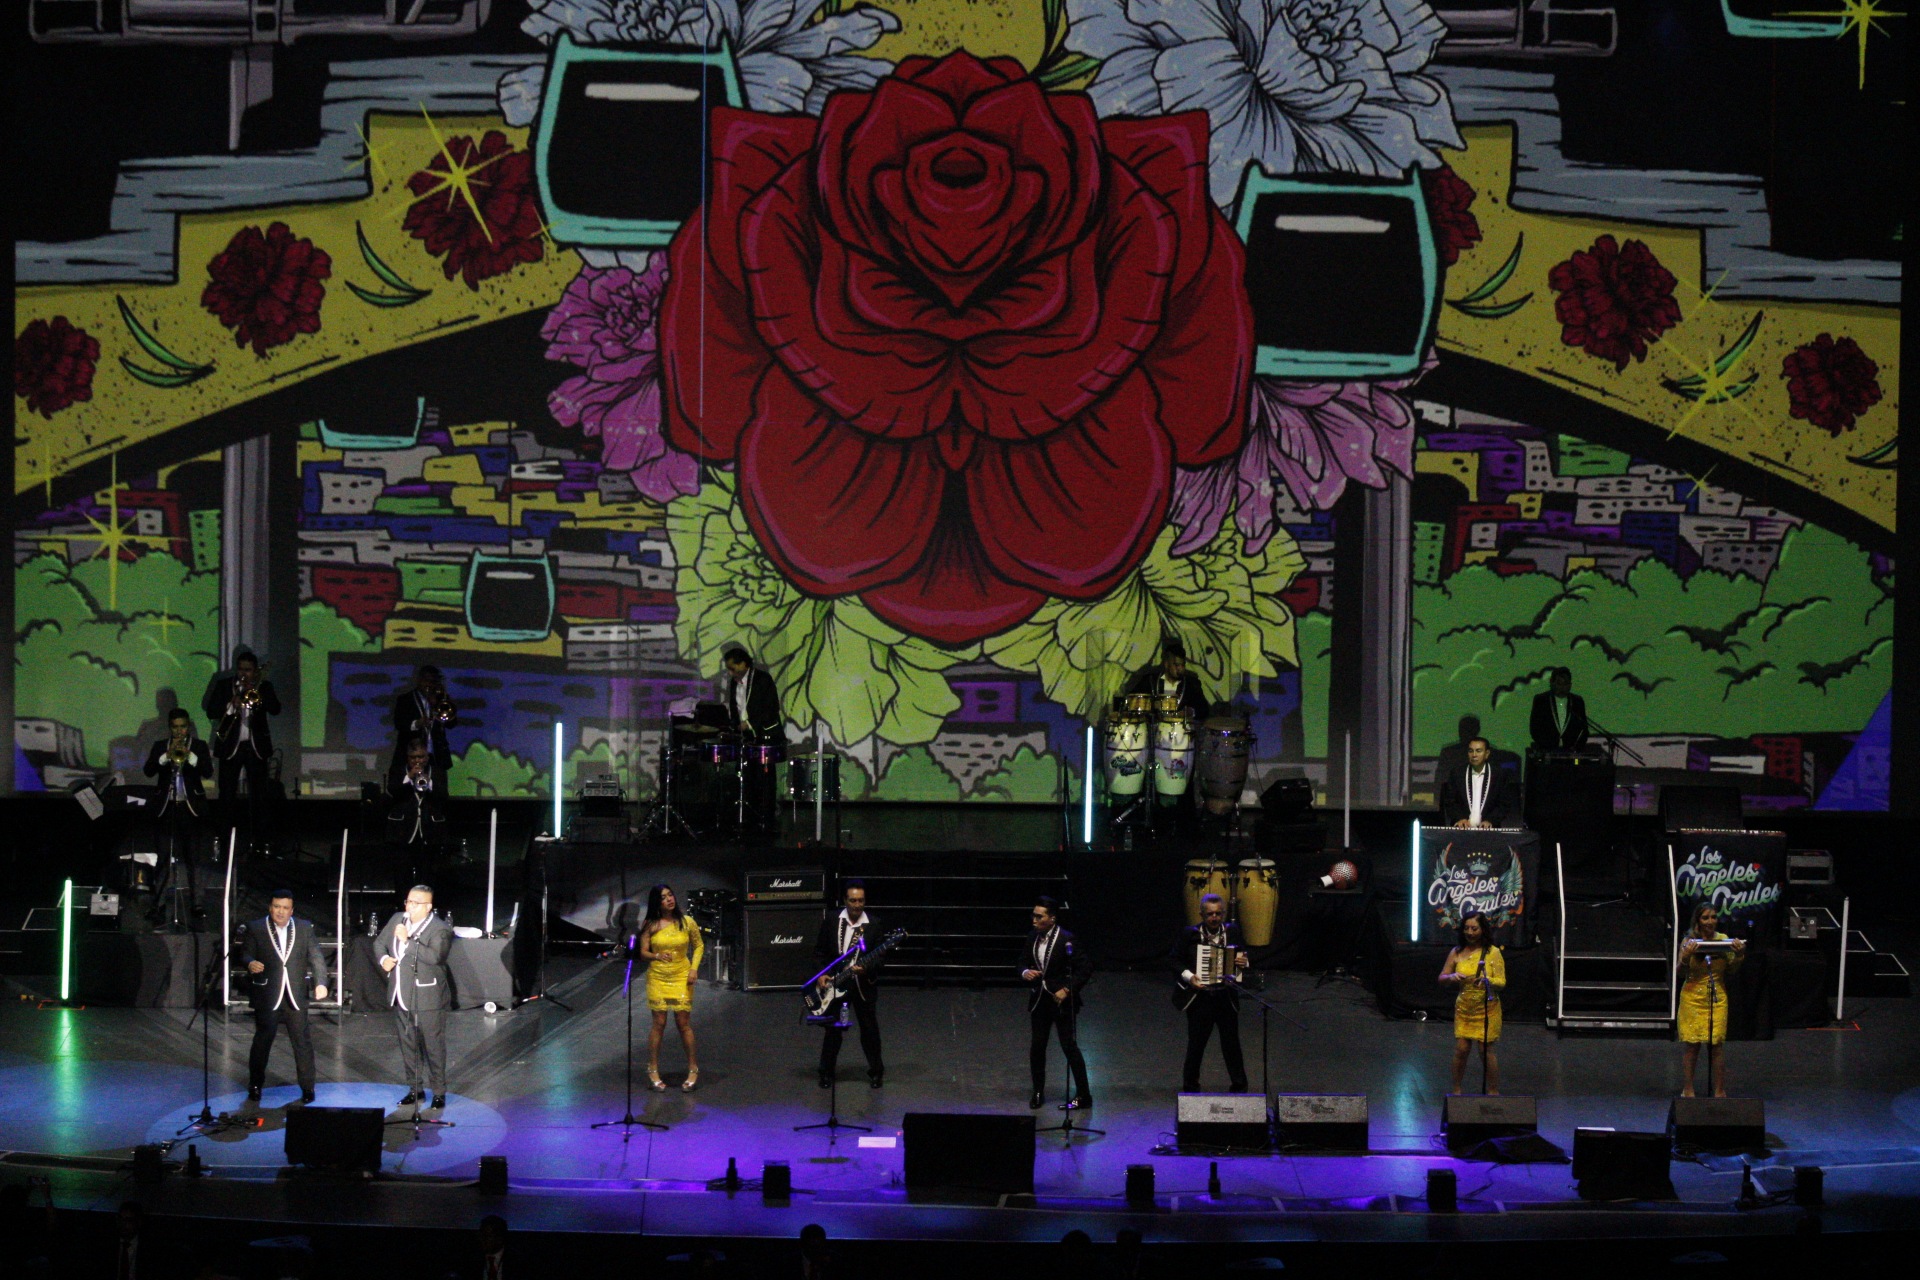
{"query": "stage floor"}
pixel 527 1084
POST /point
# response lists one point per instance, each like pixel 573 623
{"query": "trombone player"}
pixel 426 711
pixel 239 703
pixel 180 765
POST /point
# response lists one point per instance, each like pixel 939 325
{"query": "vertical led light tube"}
pixel 1413 886
pixel 556 778
pixel 1086 795
pixel 66 942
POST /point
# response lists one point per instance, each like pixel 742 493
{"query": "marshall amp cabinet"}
pixel 803 885
pixel 779 938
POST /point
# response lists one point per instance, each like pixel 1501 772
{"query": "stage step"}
pixel 1613 991
pixel 1614 986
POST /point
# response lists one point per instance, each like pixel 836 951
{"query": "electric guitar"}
pixel 822 1001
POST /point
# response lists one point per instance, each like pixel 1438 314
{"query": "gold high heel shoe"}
pixel 654 1081
pixel 693 1078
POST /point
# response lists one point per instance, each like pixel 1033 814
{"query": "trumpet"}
pixel 177 751
pixel 442 707
pixel 246 693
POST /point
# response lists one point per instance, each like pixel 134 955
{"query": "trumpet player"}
pixel 425 709
pixel 180 764
pixel 239 703
pixel 417 812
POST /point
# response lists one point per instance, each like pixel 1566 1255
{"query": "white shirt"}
pixel 1559 714
pixel 282 939
pixel 849 926
pixel 1043 945
pixel 400 946
pixel 1479 785
pixel 740 696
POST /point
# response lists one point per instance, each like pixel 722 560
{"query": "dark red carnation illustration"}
pixel 1450 209
pixel 504 230
pixel 53 365
pixel 955 335
pixel 265 286
pixel 1831 382
pixel 1614 300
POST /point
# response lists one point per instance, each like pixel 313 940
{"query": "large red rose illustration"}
pixel 265 286
pixel 1614 300
pixel 1450 207
pixel 956 334
pixel 53 365
pixel 1830 382
pixel 489 227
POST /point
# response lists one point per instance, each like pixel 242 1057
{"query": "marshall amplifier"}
pixel 803 885
pixel 778 950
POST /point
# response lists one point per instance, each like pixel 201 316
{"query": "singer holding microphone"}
pixel 1055 974
pixel 1703 998
pixel 1477 968
pixel 671 944
pixel 283 956
pixel 1211 1000
pixel 413 950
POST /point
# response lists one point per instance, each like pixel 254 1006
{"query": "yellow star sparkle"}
pixel 113 538
pixel 458 177
pixel 1857 16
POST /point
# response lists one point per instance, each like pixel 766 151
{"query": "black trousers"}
pixel 265 1026
pixel 762 815
pixel 863 1012
pixel 252 815
pixel 1060 1016
pixel 1208 1011
pixel 423 1047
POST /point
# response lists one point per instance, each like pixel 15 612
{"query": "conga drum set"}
pixel 1251 891
pixel 1155 752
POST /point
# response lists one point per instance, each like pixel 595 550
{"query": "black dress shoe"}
pixel 253 1093
pixel 826 1079
pixel 412 1098
pixel 1080 1103
pixel 437 1102
pixel 1037 1101
pixel 873 1079
pixel 306 1097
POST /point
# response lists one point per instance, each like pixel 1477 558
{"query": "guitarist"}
pixel 837 934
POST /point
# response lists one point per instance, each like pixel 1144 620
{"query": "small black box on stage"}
pixel 1613 1165
pixel 339 1139
pixel 1321 1121
pixel 1221 1120
pixel 1469 1121
pixel 1718 1124
pixel 968 1152
pixel 1287 799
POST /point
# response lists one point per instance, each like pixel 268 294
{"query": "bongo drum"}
pixel 1135 704
pixel 1259 900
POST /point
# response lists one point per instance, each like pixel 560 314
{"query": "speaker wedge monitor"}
pixel 1469 1120
pixel 620 154
pixel 1221 1120
pixel 1321 1121
pixel 1718 1124
pixel 1342 273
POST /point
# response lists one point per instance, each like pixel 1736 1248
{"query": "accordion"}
pixel 1211 965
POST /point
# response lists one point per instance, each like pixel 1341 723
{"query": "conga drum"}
pixel 1138 704
pixel 1126 754
pixel 1220 765
pixel 1172 754
pixel 1259 900
pixel 1201 877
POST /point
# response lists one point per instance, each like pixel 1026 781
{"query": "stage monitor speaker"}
pixel 341 1139
pixel 1468 1121
pixel 1221 1120
pixel 968 1152
pixel 778 951
pixel 1287 799
pixel 1321 1121
pixel 1612 1165
pixel 1718 1124
pixel 1700 808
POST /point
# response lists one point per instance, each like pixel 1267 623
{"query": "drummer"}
pixel 754 705
pixel 1170 676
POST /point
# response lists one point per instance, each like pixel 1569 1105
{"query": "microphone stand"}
pixel 628 1120
pixel 1066 1128
pixel 833 1124
pixel 205 1122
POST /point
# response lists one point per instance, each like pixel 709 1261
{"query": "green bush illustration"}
pixel 325 633
pixel 101 666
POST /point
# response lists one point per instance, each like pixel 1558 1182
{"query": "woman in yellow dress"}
pixel 1480 971
pixel 670 943
pixel 1701 1022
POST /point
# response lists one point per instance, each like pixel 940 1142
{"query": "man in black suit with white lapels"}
pixel 413 950
pixel 1558 721
pixel 1056 973
pixel 839 934
pixel 284 962
pixel 1211 1003
pixel 1479 794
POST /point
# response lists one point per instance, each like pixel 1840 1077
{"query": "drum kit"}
pixel 704 767
pixel 1151 736
pixel 715 910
